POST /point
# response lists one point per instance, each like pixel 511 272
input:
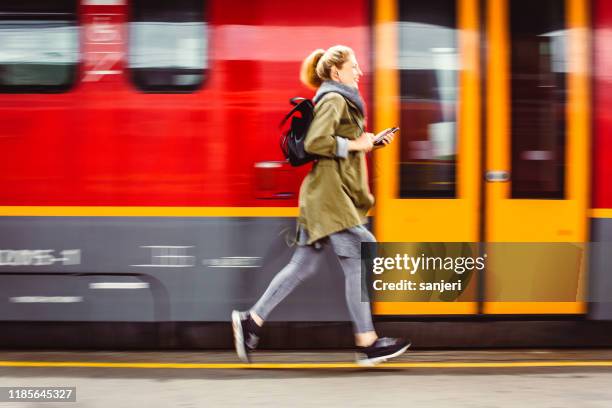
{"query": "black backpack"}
pixel 292 140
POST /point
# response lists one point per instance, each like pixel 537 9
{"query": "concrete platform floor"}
pixel 484 378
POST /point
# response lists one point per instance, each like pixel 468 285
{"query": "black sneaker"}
pixel 245 336
pixel 383 349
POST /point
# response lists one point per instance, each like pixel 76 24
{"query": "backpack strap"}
pixel 352 117
pixel 298 102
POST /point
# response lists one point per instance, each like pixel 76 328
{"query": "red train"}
pixel 142 178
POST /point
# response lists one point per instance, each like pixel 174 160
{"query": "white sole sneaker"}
pixel 239 337
pixel 371 362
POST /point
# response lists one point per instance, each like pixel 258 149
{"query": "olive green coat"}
pixel 335 194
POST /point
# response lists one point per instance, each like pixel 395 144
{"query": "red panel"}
pixel 602 150
pixel 106 143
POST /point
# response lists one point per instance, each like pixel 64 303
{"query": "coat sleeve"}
pixel 320 139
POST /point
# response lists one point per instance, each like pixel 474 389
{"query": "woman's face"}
pixel 349 73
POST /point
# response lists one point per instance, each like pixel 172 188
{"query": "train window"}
pixel 428 66
pixel 538 66
pixel 39 45
pixel 167 51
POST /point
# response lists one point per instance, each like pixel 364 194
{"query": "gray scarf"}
pixel 350 93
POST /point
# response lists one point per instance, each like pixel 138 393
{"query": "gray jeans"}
pixel 304 264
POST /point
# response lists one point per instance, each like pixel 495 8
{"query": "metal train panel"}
pixel 602 97
pixel 154 269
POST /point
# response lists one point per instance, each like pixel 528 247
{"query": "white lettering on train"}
pixel 233 262
pixel 169 256
pixel 46 299
pixel 104 34
pixel 38 257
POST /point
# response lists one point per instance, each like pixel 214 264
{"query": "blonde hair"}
pixel 316 68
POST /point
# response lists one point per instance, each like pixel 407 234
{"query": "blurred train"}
pixel 142 179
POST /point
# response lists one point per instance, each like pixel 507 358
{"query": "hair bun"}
pixel 308 72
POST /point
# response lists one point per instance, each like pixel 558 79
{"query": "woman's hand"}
pixel 388 138
pixel 363 143
pixel 372 199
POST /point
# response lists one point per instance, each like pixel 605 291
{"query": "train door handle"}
pixel 274 180
pixel 272 164
pixel 497 176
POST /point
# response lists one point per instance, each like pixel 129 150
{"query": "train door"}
pixel 537 156
pixel 427 83
pixel 517 69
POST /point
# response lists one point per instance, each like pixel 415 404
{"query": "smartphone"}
pixel 380 139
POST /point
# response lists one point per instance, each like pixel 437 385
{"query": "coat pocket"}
pixel 354 183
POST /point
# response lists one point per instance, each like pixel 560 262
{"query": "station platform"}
pixel 458 378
